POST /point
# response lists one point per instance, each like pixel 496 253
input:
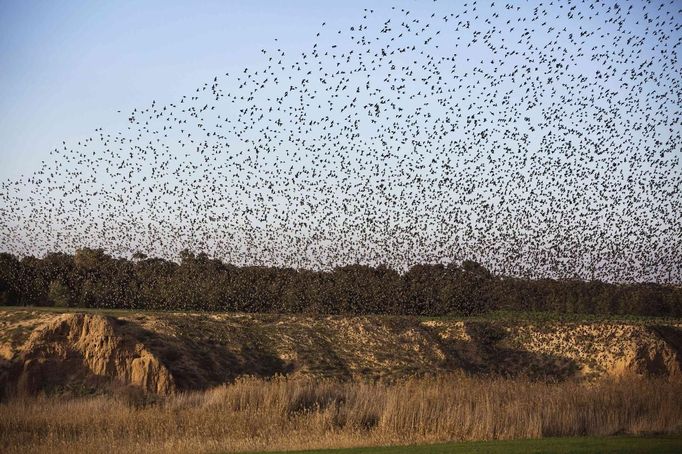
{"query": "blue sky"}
pixel 68 66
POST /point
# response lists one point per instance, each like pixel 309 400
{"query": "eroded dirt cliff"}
pixel 165 353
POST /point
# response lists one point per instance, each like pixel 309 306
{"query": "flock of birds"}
pixel 540 139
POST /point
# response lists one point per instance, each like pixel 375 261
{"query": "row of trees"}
pixel 91 278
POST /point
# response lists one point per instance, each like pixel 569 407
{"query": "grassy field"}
pixel 578 445
pixel 283 414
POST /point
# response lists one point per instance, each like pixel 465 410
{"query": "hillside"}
pixel 168 352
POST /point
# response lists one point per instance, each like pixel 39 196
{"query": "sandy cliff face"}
pixel 165 353
pixel 607 348
pixel 86 349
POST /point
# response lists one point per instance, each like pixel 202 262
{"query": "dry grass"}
pixel 280 414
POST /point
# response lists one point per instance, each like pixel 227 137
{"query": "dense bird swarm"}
pixel 539 139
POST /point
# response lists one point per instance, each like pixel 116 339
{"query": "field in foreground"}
pixel 288 414
pixel 186 382
pixel 581 445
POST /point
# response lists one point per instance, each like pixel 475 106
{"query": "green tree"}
pixel 59 294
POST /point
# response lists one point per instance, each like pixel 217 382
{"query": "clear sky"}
pixel 66 67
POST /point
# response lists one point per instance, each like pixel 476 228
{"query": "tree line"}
pixel 92 278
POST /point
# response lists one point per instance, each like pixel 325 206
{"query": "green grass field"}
pixel 625 445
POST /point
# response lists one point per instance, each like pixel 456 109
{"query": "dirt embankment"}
pixel 166 353
pixel 79 349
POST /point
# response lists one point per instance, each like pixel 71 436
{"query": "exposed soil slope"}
pixel 165 353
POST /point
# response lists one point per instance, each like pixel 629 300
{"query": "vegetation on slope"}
pixel 43 351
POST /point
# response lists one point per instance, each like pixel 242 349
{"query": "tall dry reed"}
pixel 279 414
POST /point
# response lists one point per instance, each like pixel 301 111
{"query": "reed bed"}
pixel 281 414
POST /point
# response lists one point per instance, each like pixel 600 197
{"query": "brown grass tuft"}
pixel 277 414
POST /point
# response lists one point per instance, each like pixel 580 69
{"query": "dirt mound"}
pixel 82 350
pixel 165 353
pixel 607 348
